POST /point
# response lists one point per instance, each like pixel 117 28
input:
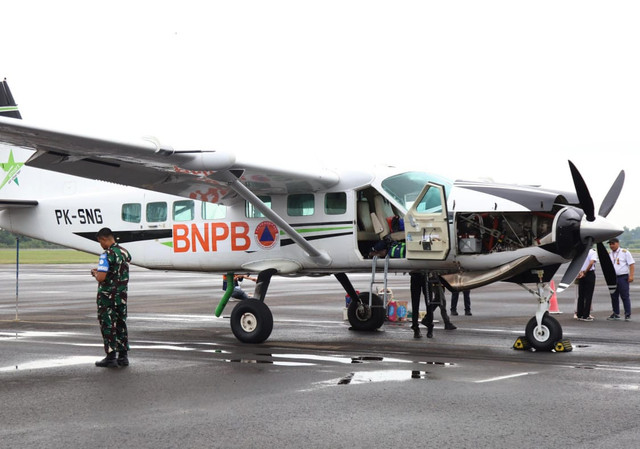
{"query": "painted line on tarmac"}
pixel 495 379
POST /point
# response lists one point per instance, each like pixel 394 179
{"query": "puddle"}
pixel 627 387
pixel 50 363
pixel 267 362
pixel 364 377
pixel 366 359
pixel 318 358
pixel 437 363
pixel 167 347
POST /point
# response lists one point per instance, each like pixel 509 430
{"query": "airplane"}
pixel 214 212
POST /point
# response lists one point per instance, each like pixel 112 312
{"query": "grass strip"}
pixel 46 256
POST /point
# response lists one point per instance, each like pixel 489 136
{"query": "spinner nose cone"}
pixel 600 230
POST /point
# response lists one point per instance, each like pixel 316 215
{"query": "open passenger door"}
pixel 427 226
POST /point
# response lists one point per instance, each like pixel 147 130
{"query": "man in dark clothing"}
pixel 419 285
pixel 112 275
pixel 467 302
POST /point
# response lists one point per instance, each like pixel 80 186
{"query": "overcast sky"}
pixel 507 90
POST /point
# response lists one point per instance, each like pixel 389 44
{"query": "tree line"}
pixel 629 239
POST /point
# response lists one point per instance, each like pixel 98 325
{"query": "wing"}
pixel 198 174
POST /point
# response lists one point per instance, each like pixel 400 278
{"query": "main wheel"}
pixel 251 321
pixel 543 338
pixel 365 318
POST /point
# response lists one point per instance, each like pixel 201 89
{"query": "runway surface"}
pixel 314 383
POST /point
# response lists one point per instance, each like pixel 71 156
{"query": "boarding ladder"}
pixel 374 265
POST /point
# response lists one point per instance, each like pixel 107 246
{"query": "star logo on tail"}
pixel 11 168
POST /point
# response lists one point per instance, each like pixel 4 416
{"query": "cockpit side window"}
pixel 430 203
pixel 405 187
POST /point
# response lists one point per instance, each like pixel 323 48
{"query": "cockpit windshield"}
pixel 406 187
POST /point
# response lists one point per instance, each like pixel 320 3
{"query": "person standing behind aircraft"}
pixel 467 302
pixel 586 285
pixel 112 275
pixel 624 265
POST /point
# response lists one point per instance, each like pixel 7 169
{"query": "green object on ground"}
pixel 227 294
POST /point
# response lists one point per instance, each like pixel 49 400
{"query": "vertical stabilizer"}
pixel 8 107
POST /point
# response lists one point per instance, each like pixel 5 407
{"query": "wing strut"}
pixel 319 257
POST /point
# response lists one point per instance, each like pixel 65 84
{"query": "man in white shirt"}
pixel 586 285
pixel 624 265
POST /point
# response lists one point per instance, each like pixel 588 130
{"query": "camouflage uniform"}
pixel 112 298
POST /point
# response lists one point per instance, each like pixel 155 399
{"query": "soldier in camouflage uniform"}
pixel 112 275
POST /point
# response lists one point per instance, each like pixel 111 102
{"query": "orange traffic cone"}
pixel 553 302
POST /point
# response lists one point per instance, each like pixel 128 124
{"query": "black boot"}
pixel 429 330
pixel 109 361
pixel 449 326
pixel 416 332
pixel 123 360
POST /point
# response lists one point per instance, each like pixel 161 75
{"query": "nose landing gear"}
pixel 543 332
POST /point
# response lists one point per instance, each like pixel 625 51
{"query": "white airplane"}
pixel 210 211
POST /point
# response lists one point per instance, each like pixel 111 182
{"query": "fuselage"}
pixel 171 232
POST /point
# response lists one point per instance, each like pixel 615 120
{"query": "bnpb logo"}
pixel 266 234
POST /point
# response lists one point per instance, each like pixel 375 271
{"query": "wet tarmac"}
pixel 314 383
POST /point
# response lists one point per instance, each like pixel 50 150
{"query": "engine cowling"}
pixel 566 229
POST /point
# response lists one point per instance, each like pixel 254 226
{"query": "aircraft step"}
pixel 383 282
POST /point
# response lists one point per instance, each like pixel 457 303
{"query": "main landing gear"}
pixel 366 310
pixel 543 332
pixel 251 319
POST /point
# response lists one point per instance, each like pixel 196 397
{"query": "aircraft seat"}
pixel 364 221
pixel 383 211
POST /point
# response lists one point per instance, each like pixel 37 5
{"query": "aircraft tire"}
pixel 251 321
pixel 544 338
pixel 365 318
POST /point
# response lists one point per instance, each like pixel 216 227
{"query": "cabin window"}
pixel 212 211
pixel 183 210
pixel 335 203
pixel 251 212
pixel 132 212
pixel 156 212
pixel 301 204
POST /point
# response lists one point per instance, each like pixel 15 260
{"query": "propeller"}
pixel 586 203
pixel 596 228
pixel 612 196
pixel 607 268
pixel 574 267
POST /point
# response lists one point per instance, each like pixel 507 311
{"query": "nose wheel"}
pixel 545 336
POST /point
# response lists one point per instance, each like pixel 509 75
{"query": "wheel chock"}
pixel 563 346
pixel 522 344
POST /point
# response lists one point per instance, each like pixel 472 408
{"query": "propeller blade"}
pixel 607 268
pixel 574 267
pixel 586 202
pixel 612 196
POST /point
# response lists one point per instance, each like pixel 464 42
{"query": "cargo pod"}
pixel 427 226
